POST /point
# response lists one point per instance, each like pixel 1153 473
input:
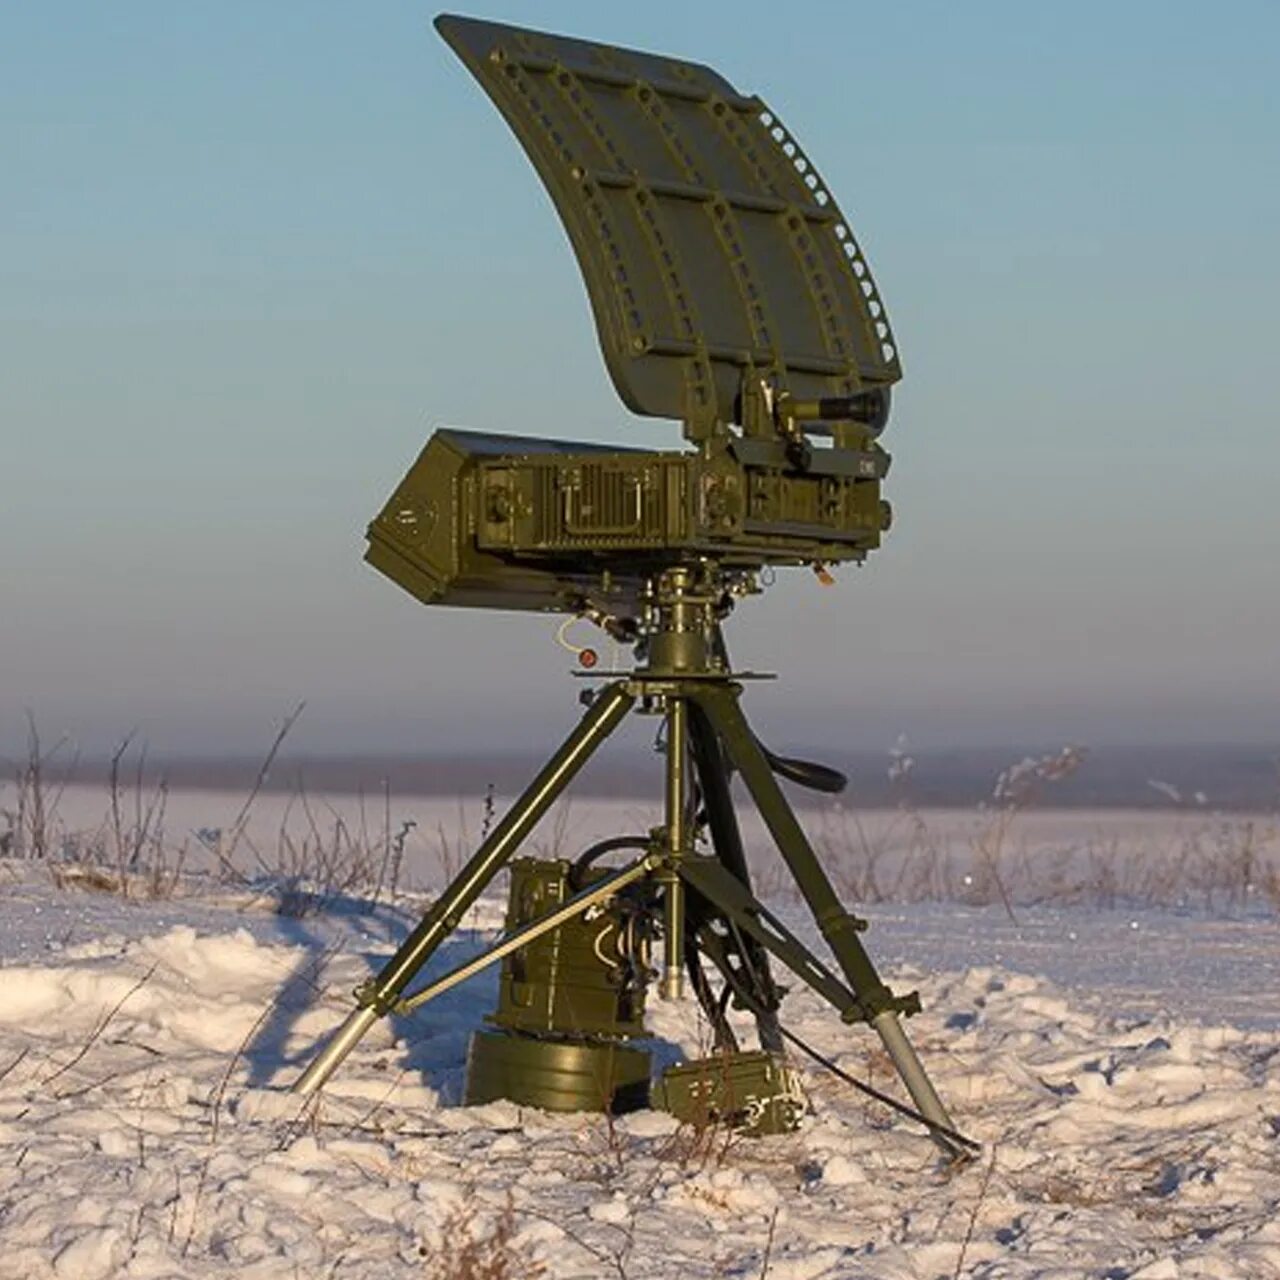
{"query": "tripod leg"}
pixel 738 909
pixel 379 995
pixel 678 847
pixel 713 779
pixel 837 926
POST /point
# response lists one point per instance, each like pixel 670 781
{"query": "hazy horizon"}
pixel 253 256
pixel 1202 780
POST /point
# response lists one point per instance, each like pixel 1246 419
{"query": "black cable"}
pixel 713 1009
pixel 584 860
pixel 749 999
pixel 957 1139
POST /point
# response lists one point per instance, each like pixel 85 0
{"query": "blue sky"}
pixel 252 254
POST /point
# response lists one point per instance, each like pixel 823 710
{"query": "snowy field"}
pixel 1116 1053
pixel 1183 856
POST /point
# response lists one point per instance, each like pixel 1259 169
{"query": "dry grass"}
pixel 132 853
pixel 317 857
pixel 476 1244
pixel 1226 864
pixel 1215 863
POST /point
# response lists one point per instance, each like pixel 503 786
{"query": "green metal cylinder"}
pixel 556 1075
pixel 585 978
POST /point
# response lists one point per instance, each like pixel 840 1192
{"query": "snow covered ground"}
pixel 1121 1068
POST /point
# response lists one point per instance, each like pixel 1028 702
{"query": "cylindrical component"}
pixel 672 984
pixel 327 1061
pixel 679 640
pixel 677 839
pixel 557 1075
pixel 564 973
pixel 677 783
pixel 912 1073
pixel 871 408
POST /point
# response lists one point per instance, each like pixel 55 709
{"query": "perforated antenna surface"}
pixel 710 248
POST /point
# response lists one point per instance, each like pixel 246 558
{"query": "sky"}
pixel 252 255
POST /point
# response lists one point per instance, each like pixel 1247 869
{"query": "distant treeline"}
pixel 1238 779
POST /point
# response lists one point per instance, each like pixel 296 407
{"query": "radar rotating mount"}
pixel 729 294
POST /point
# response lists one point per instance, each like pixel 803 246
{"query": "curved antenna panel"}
pixel 711 250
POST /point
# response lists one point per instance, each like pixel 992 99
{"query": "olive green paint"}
pixel 729 294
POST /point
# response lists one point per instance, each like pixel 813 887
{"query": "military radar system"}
pixel 730 295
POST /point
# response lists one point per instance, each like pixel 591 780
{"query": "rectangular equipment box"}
pixel 517 523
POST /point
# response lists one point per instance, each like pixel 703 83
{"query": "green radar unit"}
pixel 730 296
pixel 507 522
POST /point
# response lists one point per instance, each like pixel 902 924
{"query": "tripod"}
pixel 708 907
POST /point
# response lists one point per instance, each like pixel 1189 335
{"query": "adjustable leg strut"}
pixel 379 995
pixel 720 702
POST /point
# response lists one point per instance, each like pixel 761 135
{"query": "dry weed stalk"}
pixel 705 1142
pixel 225 850
pixel 973 1216
pixel 768 1244
pixel 475 1246
pixel 555 843
pixel 218 1096
pixel 138 840
pixel 616 1260
pixel 1015 789
pixel 130 854
pixel 31 826
pixel 96 1033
